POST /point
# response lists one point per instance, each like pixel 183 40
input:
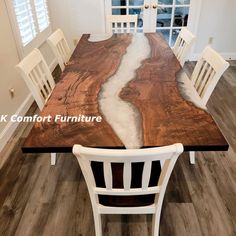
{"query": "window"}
pixel 31 24
pixel 164 16
pixel 172 15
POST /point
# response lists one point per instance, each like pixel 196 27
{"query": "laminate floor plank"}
pixel 180 219
pixel 18 190
pixel 208 202
pixel 40 201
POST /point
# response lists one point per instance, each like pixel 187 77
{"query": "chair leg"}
pixel 53 159
pixel 97 223
pixel 192 157
pixel 155 224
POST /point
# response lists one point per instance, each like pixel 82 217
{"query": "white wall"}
pixel 9 78
pixel 217 20
pixel 76 17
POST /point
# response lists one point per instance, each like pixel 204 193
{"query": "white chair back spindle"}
pixel 207 73
pixel 36 74
pixel 183 45
pixel 60 47
pixel 168 154
pixel 123 23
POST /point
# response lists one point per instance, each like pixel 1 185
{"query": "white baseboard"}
pixel 226 55
pixel 7 132
pixel 229 56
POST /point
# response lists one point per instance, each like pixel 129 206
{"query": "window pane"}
pixel 116 11
pixel 118 2
pixel 165 34
pixel 42 14
pixel 165 2
pixel 136 2
pixel 164 17
pixel 182 2
pixel 181 16
pixel 25 20
pixel 115 3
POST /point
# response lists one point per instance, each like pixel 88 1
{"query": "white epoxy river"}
pixel 123 117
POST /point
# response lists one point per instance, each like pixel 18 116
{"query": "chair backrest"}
pixel 123 23
pixel 168 154
pixel 60 47
pixel 183 45
pixel 207 73
pixel 36 74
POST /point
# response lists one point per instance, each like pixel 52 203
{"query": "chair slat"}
pixel 124 21
pixel 107 174
pixel 207 83
pixel 200 78
pixel 208 73
pixel 146 174
pixel 135 26
pixel 127 175
pixel 128 27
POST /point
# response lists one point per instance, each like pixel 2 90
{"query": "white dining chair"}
pixel 167 154
pixel 122 23
pixel 183 45
pixel 205 76
pixel 36 74
pixel 60 47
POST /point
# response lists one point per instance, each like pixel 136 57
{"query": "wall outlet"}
pixel 210 40
pixel 12 92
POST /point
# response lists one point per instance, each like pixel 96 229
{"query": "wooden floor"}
pixel 39 199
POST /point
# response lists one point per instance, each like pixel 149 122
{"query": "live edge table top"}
pixel 166 117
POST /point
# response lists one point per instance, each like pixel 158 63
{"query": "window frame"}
pixel 37 41
pixel 193 20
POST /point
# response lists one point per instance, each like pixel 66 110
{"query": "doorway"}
pixel 164 16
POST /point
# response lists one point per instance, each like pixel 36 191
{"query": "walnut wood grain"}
pixel 77 93
pixel 166 117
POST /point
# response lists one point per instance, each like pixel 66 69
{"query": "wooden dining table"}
pixel 166 117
